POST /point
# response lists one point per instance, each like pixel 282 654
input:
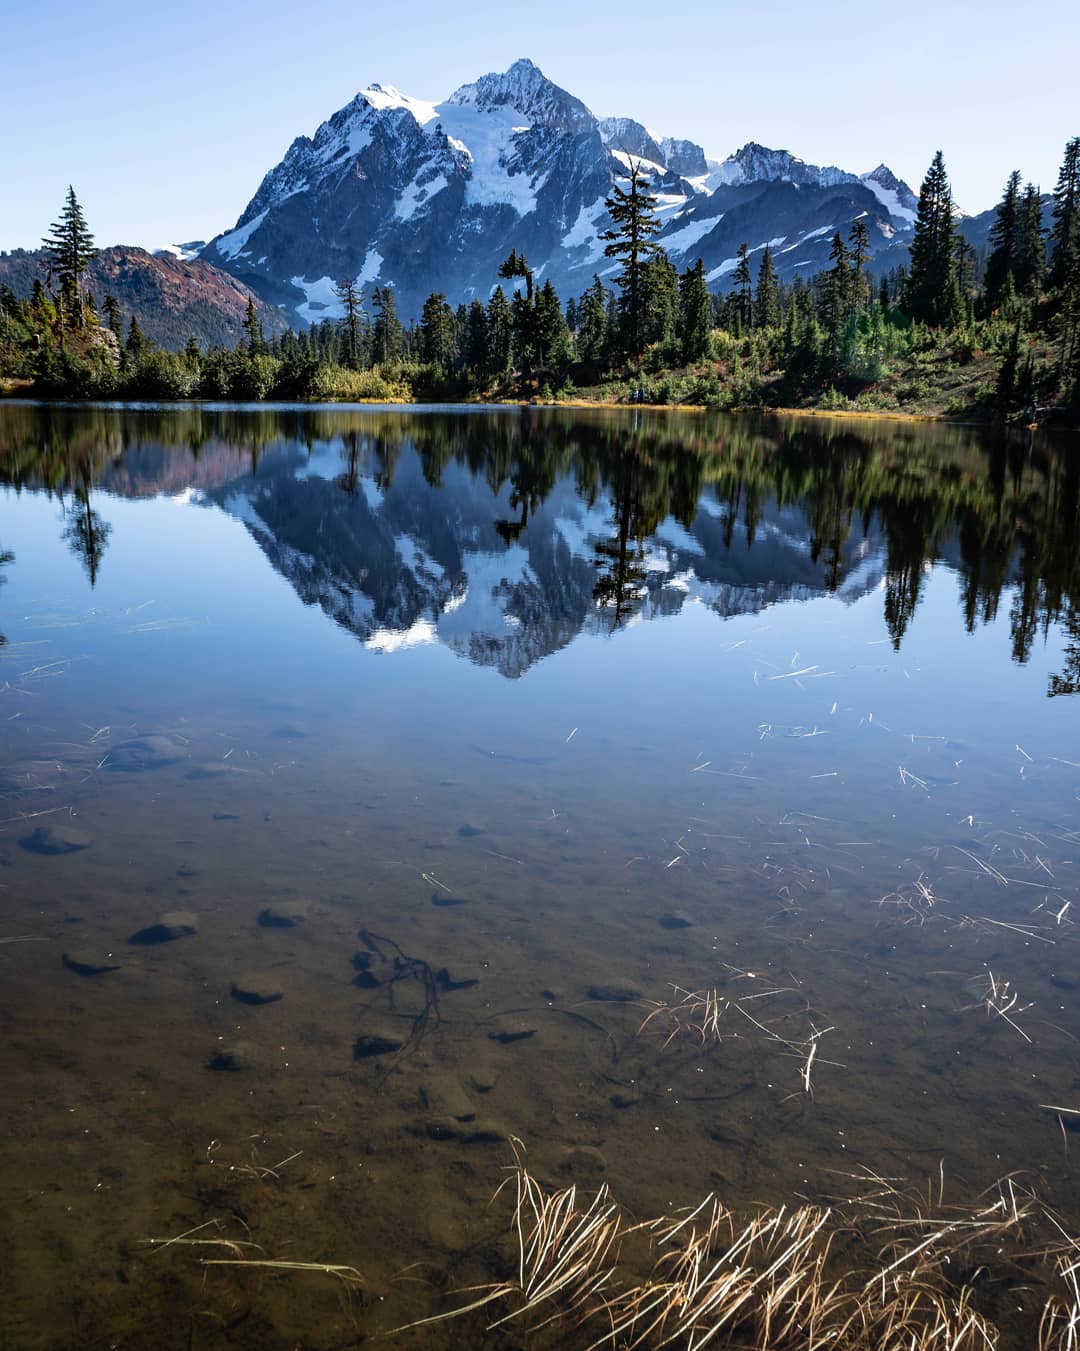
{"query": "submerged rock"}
pixel 284 914
pixel 614 993
pixel 470 829
pixel 675 920
pixel 509 1030
pixel 231 1057
pixel 471 1133
pixel 88 964
pixel 257 987
pixel 582 1161
pixel 146 752
pixel 441 898
pixel 171 926
pixel 446 1098
pixel 373 1043
pixel 59 839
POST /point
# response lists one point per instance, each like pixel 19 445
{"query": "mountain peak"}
pixel 892 192
pixel 526 90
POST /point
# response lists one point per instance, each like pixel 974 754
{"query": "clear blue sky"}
pixel 165 117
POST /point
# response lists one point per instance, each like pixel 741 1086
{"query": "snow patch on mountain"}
pixel 231 245
pixel 890 200
pixel 186 253
pixel 381 97
pixel 419 193
pixel 487 138
pixel 688 235
pixel 320 301
pixel 586 230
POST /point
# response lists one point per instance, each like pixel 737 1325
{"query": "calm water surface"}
pixel 530 718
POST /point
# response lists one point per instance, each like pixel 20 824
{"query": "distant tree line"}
pixel 836 339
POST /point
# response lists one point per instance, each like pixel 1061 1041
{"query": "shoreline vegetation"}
pixel 954 335
pixel 19 391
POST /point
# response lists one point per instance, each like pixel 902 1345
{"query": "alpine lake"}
pixel 380 788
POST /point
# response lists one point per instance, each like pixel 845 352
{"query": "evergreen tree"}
pixel 111 307
pixel 767 299
pixel 1065 232
pixel 967 272
pixel 630 242
pixel 1030 264
pixel 437 332
pixel 593 322
pixel 660 279
pixel 549 328
pixel 70 248
pixel 256 339
pixel 859 255
pixel 743 305
pixel 836 289
pixel 523 313
pixel 475 344
pixel 500 334
pixel 388 336
pixel 192 355
pixel 347 291
pixel 517 266
pixel 136 343
pixel 695 313
pixel 932 294
pixel 1002 243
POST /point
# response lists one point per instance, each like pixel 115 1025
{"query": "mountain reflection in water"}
pixel 505 534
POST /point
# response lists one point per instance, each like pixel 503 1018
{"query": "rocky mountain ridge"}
pixel 422 196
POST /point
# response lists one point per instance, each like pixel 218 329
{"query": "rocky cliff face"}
pixel 396 190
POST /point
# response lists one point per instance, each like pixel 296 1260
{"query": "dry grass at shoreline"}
pixel 890 1270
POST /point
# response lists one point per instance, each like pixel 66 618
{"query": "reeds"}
pixel 567 1253
pixel 890 1271
pixel 700 1014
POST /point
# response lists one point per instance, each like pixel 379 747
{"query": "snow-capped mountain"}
pixel 396 190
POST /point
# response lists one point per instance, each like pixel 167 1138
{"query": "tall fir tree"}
pixel 475 345
pixel 111 306
pixel 388 336
pixel 741 293
pixel 70 249
pixel 348 292
pixel 661 281
pixel 593 323
pixel 437 332
pixel 859 256
pixel 695 313
pixel 1002 242
pixel 836 289
pixel 1030 267
pixel 500 334
pixel 630 242
pixel 932 293
pixel 1065 231
pixel 253 329
pixel 767 298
